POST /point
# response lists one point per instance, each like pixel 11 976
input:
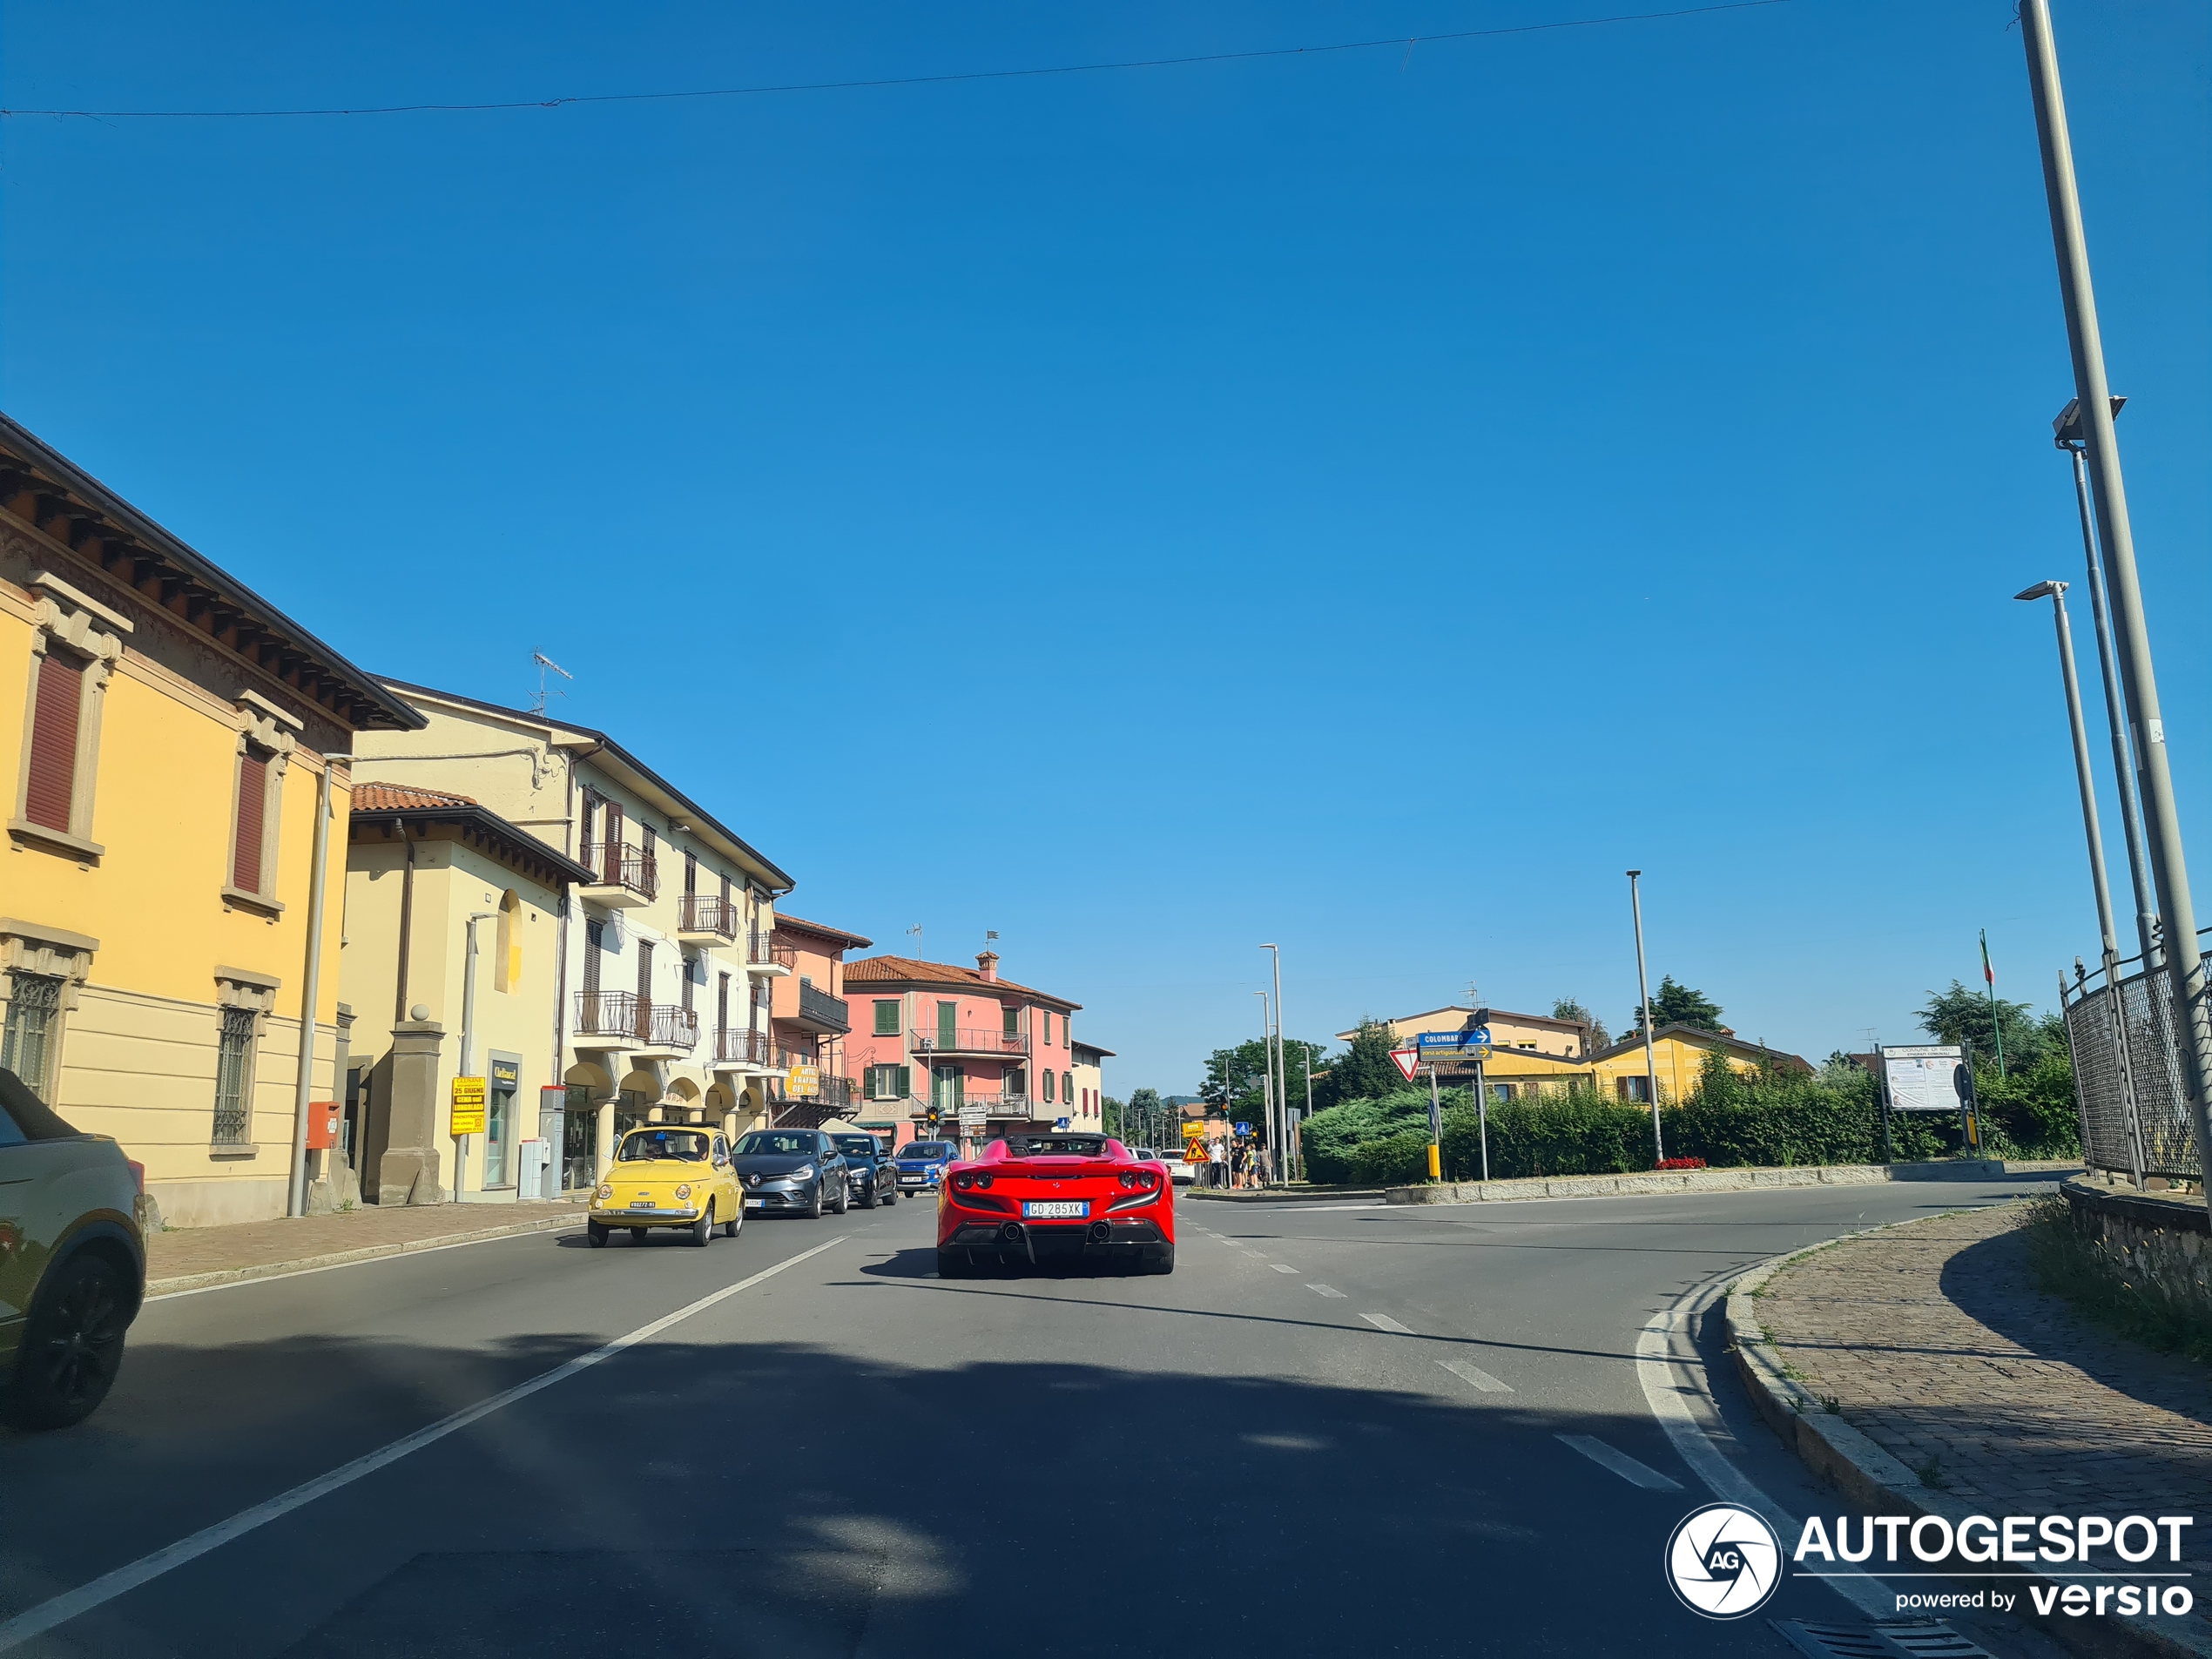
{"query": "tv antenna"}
pixel 543 662
pixel 914 933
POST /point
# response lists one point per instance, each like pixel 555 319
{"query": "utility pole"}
pixel 1279 1131
pixel 2131 638
pixel 1644 1010
pixel 1308 1052
pixel 2055 591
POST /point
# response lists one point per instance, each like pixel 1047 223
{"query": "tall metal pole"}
pixel 2131 820
pixel 1308 1052
pixel 2131 638
pixel 1278 1132
pixel 2056 593
pixel 310 993
pixel 1267 1053
pixel 1643 1009
pixel 468 1042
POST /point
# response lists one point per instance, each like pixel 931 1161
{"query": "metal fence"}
pixel 2127 1036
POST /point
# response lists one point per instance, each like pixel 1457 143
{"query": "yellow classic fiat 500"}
pixel 669 1177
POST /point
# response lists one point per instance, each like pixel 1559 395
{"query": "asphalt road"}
pixel 1333 1428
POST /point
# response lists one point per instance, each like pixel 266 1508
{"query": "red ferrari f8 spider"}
pixel 1043 1197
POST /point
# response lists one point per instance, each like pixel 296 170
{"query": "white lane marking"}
pixel 1635 1473
pixel 1283 1267
pixel 1475 1375
pixel 37 1620
pixel 1383 1322
pixel 1678 1399
pixel 1322 1289
pixel 366 1261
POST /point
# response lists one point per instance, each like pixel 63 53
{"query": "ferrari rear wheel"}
pixel 954 1263
pixel 1163 1263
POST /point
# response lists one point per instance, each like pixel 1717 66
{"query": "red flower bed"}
pixel 1681 1164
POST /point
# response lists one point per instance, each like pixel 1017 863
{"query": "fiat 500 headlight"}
pixel 603 1195
pixel 684 1192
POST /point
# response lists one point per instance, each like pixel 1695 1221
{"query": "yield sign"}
pixel 1408 1060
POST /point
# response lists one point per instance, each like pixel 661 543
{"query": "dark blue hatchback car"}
pixel 921 1164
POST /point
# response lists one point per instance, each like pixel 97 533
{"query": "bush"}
pixel 1578 1132
pixel 1393 1161
pixel 2031 1113
pixel 1331 1138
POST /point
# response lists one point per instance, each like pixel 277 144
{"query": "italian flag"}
pixel 1988 974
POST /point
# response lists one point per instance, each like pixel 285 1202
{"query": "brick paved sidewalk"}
pixel 194 1255
pixel 1936 1342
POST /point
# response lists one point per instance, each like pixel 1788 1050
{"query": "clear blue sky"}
pixel 1367 501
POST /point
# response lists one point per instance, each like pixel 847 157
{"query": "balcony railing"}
pixel 708 913
pixel 625 1013
pixel 819 1008
pixel 762 951
pixel 998 1106
pixel 970 1040
pixel 743 1049
pixel 617 863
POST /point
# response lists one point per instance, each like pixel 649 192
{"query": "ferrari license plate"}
pixel 1056 1209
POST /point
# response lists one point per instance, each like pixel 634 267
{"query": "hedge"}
pixel 1731 1121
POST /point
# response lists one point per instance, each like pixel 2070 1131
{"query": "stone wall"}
pixel 2152 1239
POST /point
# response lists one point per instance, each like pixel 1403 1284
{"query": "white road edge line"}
pixel 1322 1289
pixel 1283 1267
pixel 37 1620
pixel 1383 1322
pixel 1635 1473
pixel 1678 1398
pixel 1476 1376
pixel 366 1261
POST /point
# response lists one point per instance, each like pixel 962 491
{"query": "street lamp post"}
pixel 1267 1081
pixel 1644 1010
pixel 2130 635
pixel 1279 1128
pixel 467 1042
pixel 2067 433
pixel 2055 592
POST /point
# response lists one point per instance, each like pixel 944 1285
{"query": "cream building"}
pixel 424 870
pixel 173 876
pixel 663 960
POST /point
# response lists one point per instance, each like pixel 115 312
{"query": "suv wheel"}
pixel 73 1346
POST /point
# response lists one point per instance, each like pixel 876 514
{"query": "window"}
pixel 947 1025
pixel 73 652
pixel 1009 1027
pixel 887 1018
pixel 1067 1087
pixel 1016 1084
pixel 1048 1039
pixel 722 1004
pixel 1047 1087
pixel 595 941
pixel 250 822
pixel 1635 1088
pixel 234 1078
pixel 889 1083
pixel 27 1040
pixel 690 873
pixel 50 789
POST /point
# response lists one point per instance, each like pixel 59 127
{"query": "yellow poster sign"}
pixel 803 1082
pixel 467 1106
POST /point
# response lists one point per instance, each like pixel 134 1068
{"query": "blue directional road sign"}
pixel 1477 1037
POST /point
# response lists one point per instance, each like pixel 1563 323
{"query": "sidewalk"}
pixel 1936 1344
pixel 188 1257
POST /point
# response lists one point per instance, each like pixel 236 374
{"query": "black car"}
pixel 873 1177
pixel 799 1171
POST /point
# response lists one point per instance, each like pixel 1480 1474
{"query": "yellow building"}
pixel 424 869
pixel 1539 1032
pixel 181 756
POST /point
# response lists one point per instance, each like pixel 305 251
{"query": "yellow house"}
pixel 1540 1032
pixel 440 889
pixel 169 898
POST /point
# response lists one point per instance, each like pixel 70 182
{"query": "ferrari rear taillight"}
pixel 1136 1178
pixel 968 1180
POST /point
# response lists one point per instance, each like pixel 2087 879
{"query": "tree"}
pixel 1237 1078
pixel 1680 1005
pixel 1569 1007
pixel 1962 1015
pixel 1365 1070
pixel 1142 1120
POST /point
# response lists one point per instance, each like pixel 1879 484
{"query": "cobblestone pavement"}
pixel 188 1251
pixel 1936 1344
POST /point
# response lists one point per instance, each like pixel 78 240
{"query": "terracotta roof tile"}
pixel 880 968
pixel 397 797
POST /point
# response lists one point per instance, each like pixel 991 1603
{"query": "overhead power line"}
pixel 1404 41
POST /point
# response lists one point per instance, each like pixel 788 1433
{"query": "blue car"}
pixel 921 1164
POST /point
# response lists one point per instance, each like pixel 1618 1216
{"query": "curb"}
pixel 343 1258
pixel 1318 1195
pixel 1743 1180
pixel 1872 1479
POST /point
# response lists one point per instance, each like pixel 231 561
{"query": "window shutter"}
pixel 595 937
pixel 253 813
pixel 887 1018
pixel 906 1083
pixel 690 873
pixel 53 740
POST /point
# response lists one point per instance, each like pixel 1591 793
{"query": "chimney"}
pixel 987 964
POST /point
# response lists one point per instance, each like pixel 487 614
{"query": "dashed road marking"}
pixel 1283 1267
pixel 1635 1473
pixel 1475 1375
pixel 1383 1322
pixel 1322 1289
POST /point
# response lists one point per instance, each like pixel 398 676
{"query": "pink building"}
pixel 987 1054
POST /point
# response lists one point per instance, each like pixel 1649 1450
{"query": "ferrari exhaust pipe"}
pixel 1015 1230
pixel 1011 1233
pixel 1100 1233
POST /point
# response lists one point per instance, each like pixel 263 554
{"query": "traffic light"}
pixel 933 1118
